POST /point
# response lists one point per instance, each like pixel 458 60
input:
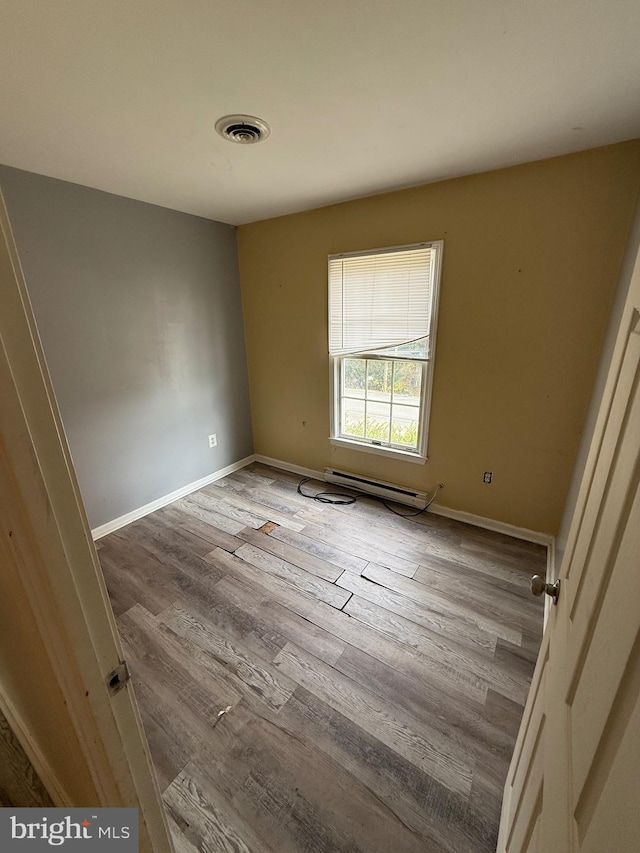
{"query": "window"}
pixel 382 319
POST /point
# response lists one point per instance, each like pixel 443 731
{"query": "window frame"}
pixel 337 438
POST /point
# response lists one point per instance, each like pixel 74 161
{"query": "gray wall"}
pixel 140 316
pixel 624 281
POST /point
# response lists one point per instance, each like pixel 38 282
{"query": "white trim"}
pixel 433 334
pixel 492 524
pixel 524 533
pixel 552 569
pixel 134 515
pixel 287 466
pixel 392 452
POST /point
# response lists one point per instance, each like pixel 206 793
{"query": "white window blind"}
pixel 380 300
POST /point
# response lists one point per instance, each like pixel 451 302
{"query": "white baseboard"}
pixel 491 524
pixel 552 569
pixel 287 466
pixel 123 520
pixel 437 509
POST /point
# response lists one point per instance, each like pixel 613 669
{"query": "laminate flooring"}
pixel 324 678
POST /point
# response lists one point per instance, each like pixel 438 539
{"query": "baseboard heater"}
pixel 389 491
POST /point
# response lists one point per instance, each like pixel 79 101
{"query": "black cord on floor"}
pixel 340 499
pixel 327 497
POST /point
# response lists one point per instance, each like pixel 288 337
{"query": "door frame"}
pixel 60 638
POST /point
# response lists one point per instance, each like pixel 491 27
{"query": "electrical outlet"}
pixel 213 440
pixel 488 476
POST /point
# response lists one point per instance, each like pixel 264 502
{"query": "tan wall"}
pixel 531 258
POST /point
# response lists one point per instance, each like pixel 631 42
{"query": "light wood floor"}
pixel 372 669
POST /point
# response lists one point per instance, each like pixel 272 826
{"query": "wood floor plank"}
pixel 313 586
pixel 430 535
pixel 257 677
pixel 175 730
pixel 169 548
pixel 342 537
pixel 306 810
pixel 169 519
pixel 341 559
pixel 224 508
pixel 247 502
pixel 272 498
pixel 219 613
pixel 440 818
pixel 292 809
pixel 472 579
pixel 159 584
pixel 280 493
pixel 409 635
pixel 404 656
pixel 466 612
pixel 122 594
pixel 234 507
pixel 474 670
pixel 371 668
pixel 490 748
pixel 478 560
pixel 511 608
pixel 468 725
pixel 503 548
pixel 515 658
pixel 300 578
pixel 172 666
pixel 211 818
pixel 431 616
pixel 220 760
pixel 291 554
pixel 169 750
pixel 292 627
pixel 209 516
pixel 214 536
pixel 253 475
pixel 504 714
pixel 440 759
pixel 136 578
pixel 416 530
pixel 181 842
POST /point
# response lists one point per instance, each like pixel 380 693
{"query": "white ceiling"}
pixel 362 95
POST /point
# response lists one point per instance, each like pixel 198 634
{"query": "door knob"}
pixel 539 585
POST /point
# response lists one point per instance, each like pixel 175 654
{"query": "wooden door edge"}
pixel 109 729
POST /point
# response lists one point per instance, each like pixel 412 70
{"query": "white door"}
pixel 574 781
pixel 58 641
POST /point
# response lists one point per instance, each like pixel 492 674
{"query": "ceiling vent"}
pixel 243 129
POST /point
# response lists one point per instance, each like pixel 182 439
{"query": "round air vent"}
pixel 243 129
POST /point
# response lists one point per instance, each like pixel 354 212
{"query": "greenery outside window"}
pixel 382 313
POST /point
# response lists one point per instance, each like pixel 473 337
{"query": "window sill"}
pixel 389 452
